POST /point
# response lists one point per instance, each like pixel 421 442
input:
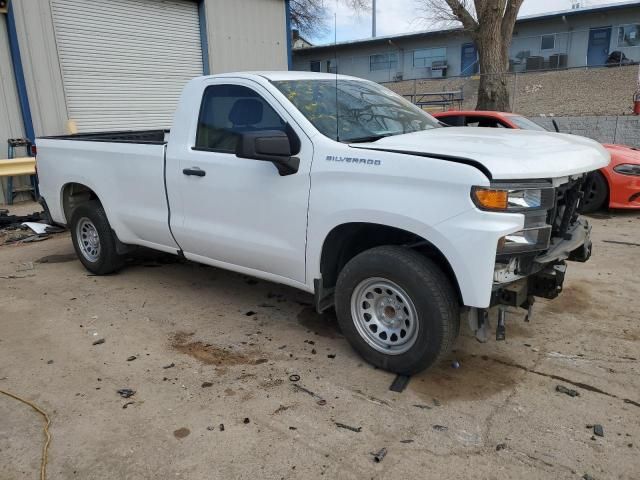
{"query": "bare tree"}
pixel 490 24
pixel 310 16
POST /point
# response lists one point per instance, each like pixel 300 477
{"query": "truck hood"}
pixel 505 154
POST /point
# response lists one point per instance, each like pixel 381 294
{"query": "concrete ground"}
pixel 203 348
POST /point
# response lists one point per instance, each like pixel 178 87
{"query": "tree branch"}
pixel 509 19
pixel 461 12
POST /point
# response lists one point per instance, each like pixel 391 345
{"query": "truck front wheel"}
pixel 93 239
pixel 397 309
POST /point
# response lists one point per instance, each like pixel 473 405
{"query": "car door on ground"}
pixel 240 211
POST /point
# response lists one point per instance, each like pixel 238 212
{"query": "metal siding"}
pixel 124 62
pixel 10 117
pixel 247 35
pixel 42 76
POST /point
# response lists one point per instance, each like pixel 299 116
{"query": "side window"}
pixel 487 122
pixel 453 120
pixel 230 110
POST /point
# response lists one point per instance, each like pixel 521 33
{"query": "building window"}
pixel 314 66
pixel 548 42
pixel 426 56
pixel 383 62
pixel 629 36
pixel 332 66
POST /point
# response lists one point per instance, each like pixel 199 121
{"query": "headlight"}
pixel 627 169
pixel 527 240
pixel 513 198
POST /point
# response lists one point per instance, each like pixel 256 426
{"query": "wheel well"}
pixel 74 194
pixel 348 240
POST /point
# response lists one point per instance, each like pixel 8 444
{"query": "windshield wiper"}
pixel 370 138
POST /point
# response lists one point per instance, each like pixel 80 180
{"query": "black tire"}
pixel 427 287
pixel 596 193
pixel 106 259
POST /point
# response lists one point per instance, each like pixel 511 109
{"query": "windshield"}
pixel 526 124
pixel 366 111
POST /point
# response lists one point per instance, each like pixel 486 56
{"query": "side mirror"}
pixel 555 125
pixel 270 146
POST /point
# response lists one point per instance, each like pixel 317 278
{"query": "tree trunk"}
pixel 493 93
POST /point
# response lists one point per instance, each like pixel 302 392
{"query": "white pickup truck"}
pixel 339 187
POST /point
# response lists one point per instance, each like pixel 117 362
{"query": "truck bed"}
pixel 149 137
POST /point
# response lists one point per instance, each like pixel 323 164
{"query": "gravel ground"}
pixel 202 348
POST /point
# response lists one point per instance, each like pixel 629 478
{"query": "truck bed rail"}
pixel 153 137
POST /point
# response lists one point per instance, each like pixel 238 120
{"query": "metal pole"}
pixel 373 18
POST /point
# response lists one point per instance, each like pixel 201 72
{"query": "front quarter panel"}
pixel 425 196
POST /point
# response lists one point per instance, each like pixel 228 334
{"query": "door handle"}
pixel 194 171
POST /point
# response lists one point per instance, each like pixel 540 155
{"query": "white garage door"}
pixel 124 62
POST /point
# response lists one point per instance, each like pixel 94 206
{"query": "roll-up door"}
pixel 124 62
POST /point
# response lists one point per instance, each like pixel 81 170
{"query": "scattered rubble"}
pixel 100 341
pixel 379 455
pixel 348 427
pixel 126 392
pixel 567 391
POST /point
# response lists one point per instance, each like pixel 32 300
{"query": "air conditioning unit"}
pixel 398 77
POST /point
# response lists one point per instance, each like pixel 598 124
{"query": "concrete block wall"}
pixel 622 129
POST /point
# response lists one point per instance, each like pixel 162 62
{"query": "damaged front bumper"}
pixel 517 278
pixel 520 279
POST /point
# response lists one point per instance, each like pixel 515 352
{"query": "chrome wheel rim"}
pixel 384 315
pixel 88 239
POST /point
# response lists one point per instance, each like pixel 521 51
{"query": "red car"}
pixel 615 186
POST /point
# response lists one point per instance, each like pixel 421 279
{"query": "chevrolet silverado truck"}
pixel 339 187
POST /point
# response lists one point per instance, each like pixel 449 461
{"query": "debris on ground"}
pixel 348 427
pixel 440 428
pixel 501 446
pixel 221 427
pixel 206 384
pixel 100 341
pixel 127 404
pixel 598 430
pixel 586 476
pixel 455 364
pixel 399 383
pixel 126 392
pixel 379 455
pixel 331 355
pixel 181 433
pixel 211 428
pixel 406 441
pixel 567 391
pixel 319 400
pixel 246 420
pixel 422 406
pixel 131 358
pixel 250 313
pixel 294 377
pixel 171 365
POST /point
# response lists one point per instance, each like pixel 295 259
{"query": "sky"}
pixel 399 16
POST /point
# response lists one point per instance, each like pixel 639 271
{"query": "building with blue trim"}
pixel 83 65
pixel 582 37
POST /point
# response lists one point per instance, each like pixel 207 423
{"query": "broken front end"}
pixel 532 262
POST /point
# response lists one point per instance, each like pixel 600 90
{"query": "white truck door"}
pixel 232 211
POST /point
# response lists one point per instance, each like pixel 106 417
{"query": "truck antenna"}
pixel 335 57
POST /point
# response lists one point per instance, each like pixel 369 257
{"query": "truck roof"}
pixel 287 75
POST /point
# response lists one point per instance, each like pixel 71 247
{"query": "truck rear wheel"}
pixel 397 309
pixel 93 239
